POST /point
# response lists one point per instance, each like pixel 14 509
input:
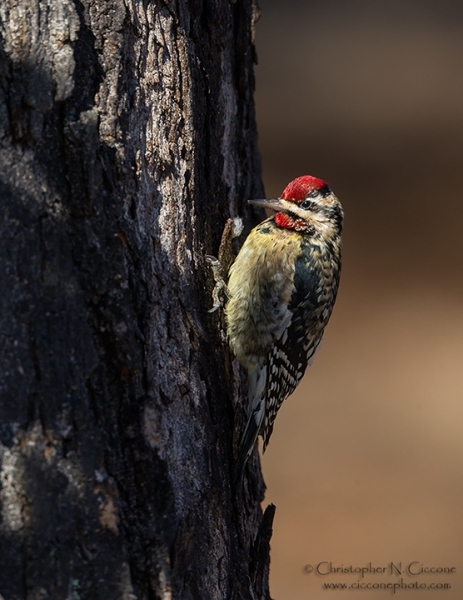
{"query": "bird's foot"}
pixel 233 229
pixel 220 287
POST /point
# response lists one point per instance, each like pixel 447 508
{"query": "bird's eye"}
pixel 306 204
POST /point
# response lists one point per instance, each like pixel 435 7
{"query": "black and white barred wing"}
pixel 287 363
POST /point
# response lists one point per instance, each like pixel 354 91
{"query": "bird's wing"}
pixel 296 345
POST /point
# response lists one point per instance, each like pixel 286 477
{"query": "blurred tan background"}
pixel 366 460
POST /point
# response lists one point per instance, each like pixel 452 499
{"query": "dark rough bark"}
pixel 127 137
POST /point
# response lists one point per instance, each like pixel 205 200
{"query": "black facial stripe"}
pixel 337 217
pixel 323 192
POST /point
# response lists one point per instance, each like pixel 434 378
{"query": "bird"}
pixel 282 287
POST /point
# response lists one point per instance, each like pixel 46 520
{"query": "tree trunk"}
pixel 127 137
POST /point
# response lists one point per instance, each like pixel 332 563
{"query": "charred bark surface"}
pixel 127 138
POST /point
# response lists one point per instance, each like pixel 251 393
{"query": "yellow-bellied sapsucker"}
pixel 282 288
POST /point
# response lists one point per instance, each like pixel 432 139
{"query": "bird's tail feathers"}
pixel 248 439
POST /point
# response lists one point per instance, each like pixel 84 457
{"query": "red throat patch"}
pixel 286 222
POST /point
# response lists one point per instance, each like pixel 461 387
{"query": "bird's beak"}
pixel 274 204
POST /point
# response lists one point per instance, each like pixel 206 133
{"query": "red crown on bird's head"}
pixel 299 188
